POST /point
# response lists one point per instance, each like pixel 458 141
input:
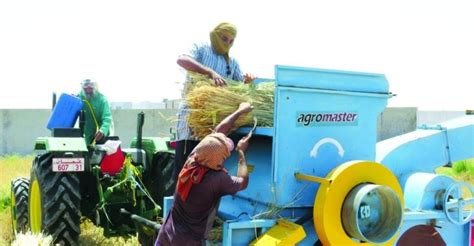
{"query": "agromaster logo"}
pixel 310 119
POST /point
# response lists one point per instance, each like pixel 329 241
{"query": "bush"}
pixel 460 167
pixel 461 170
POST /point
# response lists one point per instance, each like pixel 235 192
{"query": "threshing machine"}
pixel 318 176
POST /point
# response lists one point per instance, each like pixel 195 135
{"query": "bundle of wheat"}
pixel 32 239
pixel 210 104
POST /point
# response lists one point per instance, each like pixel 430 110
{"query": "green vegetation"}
pixel 460 170
pixel 11 166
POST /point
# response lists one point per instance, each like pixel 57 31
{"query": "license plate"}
pixel 68 164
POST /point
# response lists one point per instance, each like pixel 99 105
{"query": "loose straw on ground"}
pixel 210 104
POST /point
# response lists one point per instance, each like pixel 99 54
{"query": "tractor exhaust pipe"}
pixel 140 220
pixel 82 121
pixel 140 122
pixel 54 100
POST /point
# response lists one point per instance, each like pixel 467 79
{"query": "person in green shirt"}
pixel 98 117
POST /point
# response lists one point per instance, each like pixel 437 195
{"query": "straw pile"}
pixel 29 238
pixel 210 104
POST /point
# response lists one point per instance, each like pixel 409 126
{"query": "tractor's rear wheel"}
pixel 146 237
pixel 165 163
pixel 159 179
pixel 54 202
pixel 19 205
pixel 160 183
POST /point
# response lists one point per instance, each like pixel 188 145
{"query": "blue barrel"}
pixel 65 112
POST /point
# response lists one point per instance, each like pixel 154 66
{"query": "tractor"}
pixel 71 181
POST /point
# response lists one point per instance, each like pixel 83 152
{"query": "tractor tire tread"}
pixel 20 187
pixel 61 207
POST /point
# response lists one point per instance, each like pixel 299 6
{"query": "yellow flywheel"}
pixel 363 199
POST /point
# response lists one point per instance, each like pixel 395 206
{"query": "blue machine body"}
pixel 413 158
pixel 322 119
pixel 423 207
pixel 428 147
pixel 318 114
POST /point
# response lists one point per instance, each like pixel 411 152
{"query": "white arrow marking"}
pixel 314 151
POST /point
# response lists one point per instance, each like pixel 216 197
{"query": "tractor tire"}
pixel 146 238
pixel 159 179
pixel 19 205
pixel 54 202
pixel 159 182
pixel 165 162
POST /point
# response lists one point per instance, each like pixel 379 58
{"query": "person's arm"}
pixel 228 123
pixel 242 170
pixel 192 65
pixel 106 119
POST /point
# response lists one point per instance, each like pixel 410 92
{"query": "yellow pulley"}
pixel 332 198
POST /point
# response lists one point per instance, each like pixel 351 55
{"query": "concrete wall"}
pixel 157 123
pixel 396 121
pixel 434 117
pixel 20 127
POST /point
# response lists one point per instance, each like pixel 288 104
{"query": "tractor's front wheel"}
pixel 19 204
pixel 54 202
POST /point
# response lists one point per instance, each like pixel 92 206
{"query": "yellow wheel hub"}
pixel 35 207
pixel 329 200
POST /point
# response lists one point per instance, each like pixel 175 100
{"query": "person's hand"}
pixel 244 142
pixel 99 135
pixel 249 78
pixel 245 107
pixel 218 80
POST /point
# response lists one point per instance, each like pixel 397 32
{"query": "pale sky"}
pixel 424 48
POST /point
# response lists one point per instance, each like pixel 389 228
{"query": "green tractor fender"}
pixel 158 176
pixel 62 144
pixel 153 145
